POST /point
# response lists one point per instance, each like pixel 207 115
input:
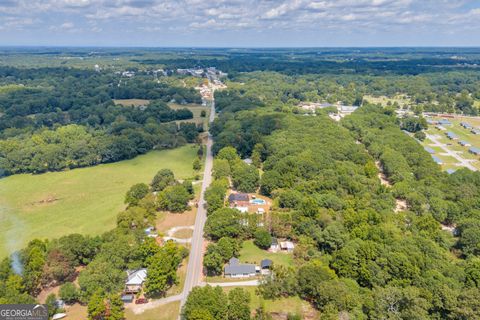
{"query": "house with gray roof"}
pixel 437 160
pixel 235 269
pixel 135 280
pixel 429 150
pixel 465 125
pixel 452 136
pixel 474 150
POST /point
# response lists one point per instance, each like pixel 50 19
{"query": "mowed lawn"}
pixel 84 200
pixel 292 305
pixel 250 253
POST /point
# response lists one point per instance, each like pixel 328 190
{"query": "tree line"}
pixel 62 118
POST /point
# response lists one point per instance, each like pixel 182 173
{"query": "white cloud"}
pixel 173 15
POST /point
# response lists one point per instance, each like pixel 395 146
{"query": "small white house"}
pixel 287 246
pixel 274 246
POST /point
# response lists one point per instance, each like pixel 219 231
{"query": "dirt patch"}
pixel 400 205
pixel 49 199
pixel 170 220
pixel 183 234
pixel 383 178
pixel 42 297
pixel 76 312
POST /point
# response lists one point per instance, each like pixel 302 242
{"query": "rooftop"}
pixel 235 267
pixel 266 263
pixel 474 150
pixel 451 135
pixel 238 197
pixel 437 160
pixel 136 277
pixel 429 150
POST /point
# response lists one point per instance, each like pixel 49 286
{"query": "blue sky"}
pixel 241 23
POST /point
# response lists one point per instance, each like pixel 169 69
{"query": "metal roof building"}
pixel 452 135
pixel 235 269
pixel 474 150
pixel 437 160
pixel 429 150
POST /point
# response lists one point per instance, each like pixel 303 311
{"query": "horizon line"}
pixel 241 47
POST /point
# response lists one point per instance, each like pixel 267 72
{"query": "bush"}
pixel 196 164
pixel 163 179
pixel 136 193
pixel 68 293
pixel 174 198
pixel 263 239
pixel 420 135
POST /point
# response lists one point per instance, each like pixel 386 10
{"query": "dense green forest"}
pixel 59 118
pixel 356 255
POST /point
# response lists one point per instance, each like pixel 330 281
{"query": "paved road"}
pixel 195 265
pixel 250 283
pixel 439 144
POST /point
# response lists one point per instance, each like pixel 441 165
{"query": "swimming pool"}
pixel 258 201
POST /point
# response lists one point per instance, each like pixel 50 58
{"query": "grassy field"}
pixel 196 110
pixel 84 200
pixel 167 311
pixel 383 100
pixel 131 102
pixel 293 305
pixel 250 253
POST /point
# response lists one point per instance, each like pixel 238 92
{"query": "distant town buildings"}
pixel 128 74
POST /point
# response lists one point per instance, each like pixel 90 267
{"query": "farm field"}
pixel 250 253
pixel 131 102
pixel 196 110
pixel 84 200
pixel 401 100
pixel 282 306
pixel 462 133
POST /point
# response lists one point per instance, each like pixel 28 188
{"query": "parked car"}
pixel 141 301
